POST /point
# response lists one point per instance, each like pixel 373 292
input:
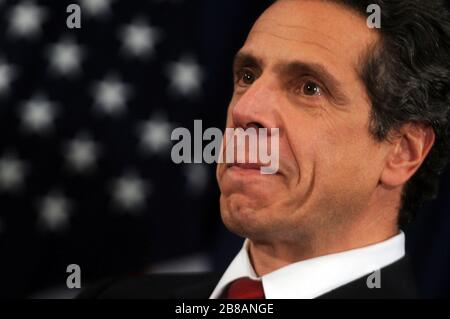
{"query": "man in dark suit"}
pixel 361 102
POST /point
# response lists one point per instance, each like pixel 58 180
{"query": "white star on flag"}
pixel 54 212
pixel 81 153
pixel 12 173
pixel 196 177
pixel 155 134
pixel 65 57
pixel 139 39
pixel 95 8
pixel 38 114
pixel 129 192
pixel 111 95
pixel 185 77
pixel 7 74
pixel 25 19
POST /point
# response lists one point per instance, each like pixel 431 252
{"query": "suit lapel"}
pixel 397 281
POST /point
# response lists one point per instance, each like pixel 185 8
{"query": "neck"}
pixel 269 255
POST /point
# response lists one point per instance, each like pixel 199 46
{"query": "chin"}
pixel 243 218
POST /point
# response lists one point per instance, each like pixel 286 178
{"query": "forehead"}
pixel 313 31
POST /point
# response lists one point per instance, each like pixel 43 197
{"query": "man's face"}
pixel 297 71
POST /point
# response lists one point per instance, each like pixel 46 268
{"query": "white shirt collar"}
pixel 316 276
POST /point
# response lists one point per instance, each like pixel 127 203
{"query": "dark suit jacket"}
pixel 396 282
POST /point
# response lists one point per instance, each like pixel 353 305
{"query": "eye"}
pixel 310 88
pixel 245 77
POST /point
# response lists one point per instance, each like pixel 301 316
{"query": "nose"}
pixel 257 107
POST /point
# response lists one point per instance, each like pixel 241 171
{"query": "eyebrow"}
pixel 243 59
pixel 297 69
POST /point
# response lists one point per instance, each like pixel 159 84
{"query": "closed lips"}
pixel 247 165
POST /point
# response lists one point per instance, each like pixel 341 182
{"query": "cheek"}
pixel 303 147
pixel 329 148
pixel 350 160
pixel 345 135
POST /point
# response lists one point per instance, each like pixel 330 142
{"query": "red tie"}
pixel 245 288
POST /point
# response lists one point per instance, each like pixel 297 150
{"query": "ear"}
pixel 408 150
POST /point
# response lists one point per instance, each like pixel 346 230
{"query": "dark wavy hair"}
pixel 407 78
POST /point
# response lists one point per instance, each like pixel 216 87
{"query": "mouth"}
pixel 248 168
pixel 244 170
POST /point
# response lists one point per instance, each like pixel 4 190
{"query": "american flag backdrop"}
pixel 86 115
